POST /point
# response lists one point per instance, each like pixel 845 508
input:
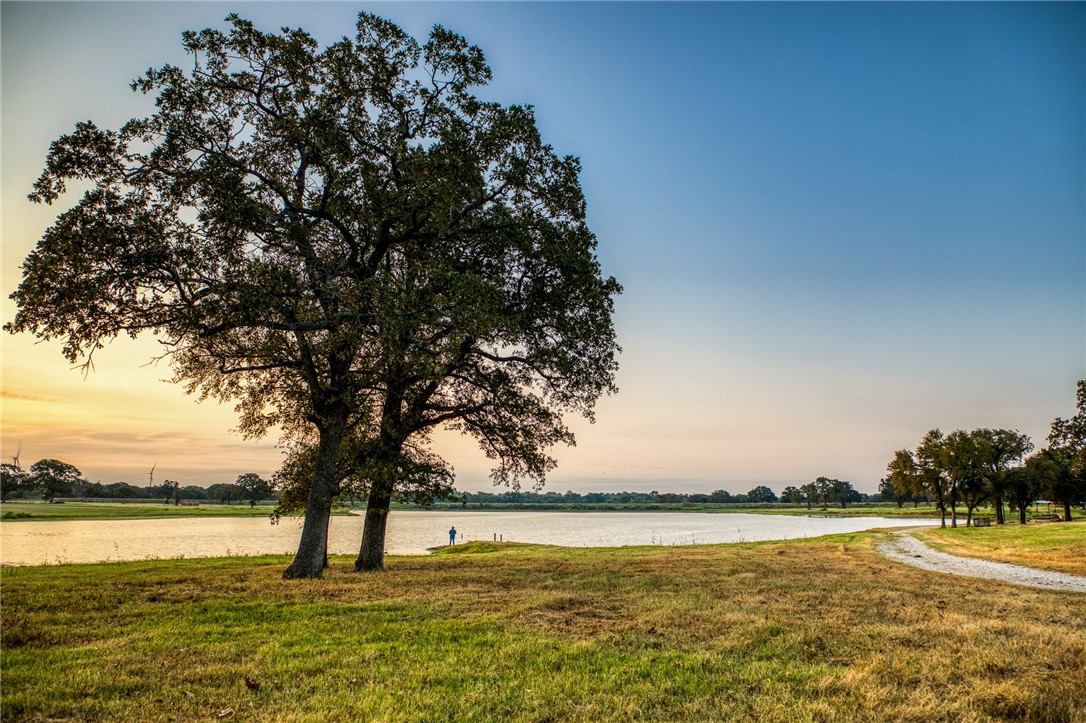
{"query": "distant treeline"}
pixel 759 495
pixel 49 479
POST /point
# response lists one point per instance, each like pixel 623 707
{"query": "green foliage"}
pixel 969 466
pixel 123 490
pixel 421 477
pixel 1061 470
pixel 1071 433
pixel 170 490
pixel 253 487
pixel 891 492
pixel 818 491
pixel 761 493
pixel 225 493
pixel 792 495
pixel 12 479
pixel 53 478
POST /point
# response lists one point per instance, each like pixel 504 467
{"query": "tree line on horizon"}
pixel 49 479
pixel 760 495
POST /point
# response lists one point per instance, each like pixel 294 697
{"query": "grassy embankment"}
pixel 1059 546
pixel 822 629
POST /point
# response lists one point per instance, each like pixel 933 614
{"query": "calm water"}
pixel 409 533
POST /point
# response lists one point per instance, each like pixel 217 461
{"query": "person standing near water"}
pixel 452 536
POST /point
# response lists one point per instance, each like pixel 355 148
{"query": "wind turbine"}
pixel 15 459
pixel 151 475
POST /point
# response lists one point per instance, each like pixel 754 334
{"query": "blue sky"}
pixel 838 225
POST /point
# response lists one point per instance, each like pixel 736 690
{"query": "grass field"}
pixel 1059 546
pixel 808 630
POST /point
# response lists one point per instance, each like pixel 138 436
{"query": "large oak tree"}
pixel 348 244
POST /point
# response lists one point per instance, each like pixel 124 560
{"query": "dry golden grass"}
pixel 813 630
pixel 1058 546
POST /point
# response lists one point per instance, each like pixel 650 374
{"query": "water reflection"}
pixel 409 533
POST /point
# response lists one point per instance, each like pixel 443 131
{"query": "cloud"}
pixel 19 395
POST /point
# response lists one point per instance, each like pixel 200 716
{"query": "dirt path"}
pixel 903 547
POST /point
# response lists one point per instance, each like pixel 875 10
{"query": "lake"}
pixel 409 533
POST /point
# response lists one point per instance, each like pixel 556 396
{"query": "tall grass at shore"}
pixel 821 629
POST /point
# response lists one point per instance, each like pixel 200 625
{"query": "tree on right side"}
pixel 1062 467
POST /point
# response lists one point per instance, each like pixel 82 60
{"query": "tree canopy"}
pixel 53 477
pixel 1060 470
pixel 973 466
pixel 345 242
pixel 254 487
pixel 12 479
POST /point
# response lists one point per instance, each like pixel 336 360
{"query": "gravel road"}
pixel 903 547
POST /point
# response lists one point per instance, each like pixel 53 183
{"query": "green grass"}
pixel 1059 546
pixel 123 511
pixel 811 630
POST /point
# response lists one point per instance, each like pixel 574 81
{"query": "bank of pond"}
pixel 410 532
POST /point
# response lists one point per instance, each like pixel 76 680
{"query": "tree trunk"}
pixel 1066 511
pixel 312 555
pixel 371 556
pixel 1021 514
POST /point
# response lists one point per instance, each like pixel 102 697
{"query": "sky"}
pixel 838 225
